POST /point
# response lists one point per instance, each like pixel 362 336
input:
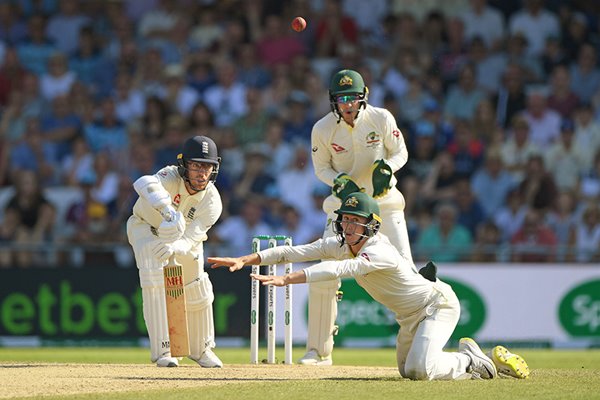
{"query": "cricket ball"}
pixel 298 24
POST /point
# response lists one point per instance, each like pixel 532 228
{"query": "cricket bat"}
pixel 176 309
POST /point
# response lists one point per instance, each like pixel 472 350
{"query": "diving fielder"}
pixel 426 310
pixel 356 147
pixel 176 208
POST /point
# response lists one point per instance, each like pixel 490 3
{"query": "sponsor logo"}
pixel 365 256
pixel 177 199
pixel 162 173
pixel 579 310
pixel 314 149
pixel 396 133
pixel 337 148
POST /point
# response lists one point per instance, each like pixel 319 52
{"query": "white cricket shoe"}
pixel 508 363
pixel 481 365
pixel 167 362
pixel 209 360
pixel 312 357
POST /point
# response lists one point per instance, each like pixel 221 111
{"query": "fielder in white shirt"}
pixel 176 208
pixel 427 310
pixel 356 147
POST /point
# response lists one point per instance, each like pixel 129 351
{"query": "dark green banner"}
pixel 102 303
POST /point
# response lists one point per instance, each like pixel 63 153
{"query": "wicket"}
pixel 271 303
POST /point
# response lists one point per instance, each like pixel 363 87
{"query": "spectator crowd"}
pixel 498 102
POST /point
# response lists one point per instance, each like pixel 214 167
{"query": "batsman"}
pixel 176 208
pixel 356 147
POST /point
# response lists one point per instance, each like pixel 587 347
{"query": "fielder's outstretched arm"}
pixel 234 263
pixel 275 280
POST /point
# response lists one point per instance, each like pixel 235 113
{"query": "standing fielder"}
pixel 176 208
pixel 357 147
pixel 426 310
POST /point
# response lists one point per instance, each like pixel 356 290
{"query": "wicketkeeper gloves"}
pixel 381 178
pixel 343 185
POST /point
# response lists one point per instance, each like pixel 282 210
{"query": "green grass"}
pixel 556 374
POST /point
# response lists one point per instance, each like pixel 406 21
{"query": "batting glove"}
pixel 170 230
pixel 162 251
pixel 381 178
pixel 343 185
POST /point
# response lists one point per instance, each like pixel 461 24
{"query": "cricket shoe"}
pixel 312 357
pixel 209 360
pixel 508 363
pixel 481 365
pixel 167 362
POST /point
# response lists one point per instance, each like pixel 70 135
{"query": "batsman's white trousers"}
pixel 422 337
pixel 199 292
pixel 322 303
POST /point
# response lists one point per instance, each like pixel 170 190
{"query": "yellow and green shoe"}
pixel 508 363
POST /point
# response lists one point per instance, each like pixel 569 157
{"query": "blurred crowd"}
pixel 498 102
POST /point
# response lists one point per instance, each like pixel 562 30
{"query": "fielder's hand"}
pixel 269 279
pixel 381 178
pixel 233 263
pixel 343 185
pixel 173 229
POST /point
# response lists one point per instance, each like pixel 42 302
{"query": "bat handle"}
pixel 172 259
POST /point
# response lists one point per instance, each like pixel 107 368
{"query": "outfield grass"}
pixel 556 374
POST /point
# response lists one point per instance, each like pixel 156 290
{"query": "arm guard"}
pixel 150 188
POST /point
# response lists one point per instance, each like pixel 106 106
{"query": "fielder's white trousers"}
pixel 422 337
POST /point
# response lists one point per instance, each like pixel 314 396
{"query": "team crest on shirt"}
pixel 162 173
pixel 337 148
pixel 373 139
pixel 191 213
pixel 177 199
pixel 365 256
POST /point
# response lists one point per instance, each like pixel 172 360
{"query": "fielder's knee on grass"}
pixel 418 367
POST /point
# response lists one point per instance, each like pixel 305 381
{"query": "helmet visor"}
pixel 347 98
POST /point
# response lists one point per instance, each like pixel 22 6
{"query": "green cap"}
pixel 361 204
pixel 346 81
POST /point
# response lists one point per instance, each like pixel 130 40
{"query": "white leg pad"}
pixel 199 298
pixel 322 312
pixel 155 312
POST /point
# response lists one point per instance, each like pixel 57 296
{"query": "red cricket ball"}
pixel 298 24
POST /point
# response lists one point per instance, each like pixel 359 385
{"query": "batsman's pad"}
pixel 155 312
pixel 322 312
pixel 199 298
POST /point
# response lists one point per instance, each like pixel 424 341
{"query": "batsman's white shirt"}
pixel 200 210
pixel 387 276
pixel 338 147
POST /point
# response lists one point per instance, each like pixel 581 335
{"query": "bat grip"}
pixel 171 259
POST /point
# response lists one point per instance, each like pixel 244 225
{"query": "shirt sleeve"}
pixel 394 143
pixel 328 270
pixel 321 157
pixel 320 249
